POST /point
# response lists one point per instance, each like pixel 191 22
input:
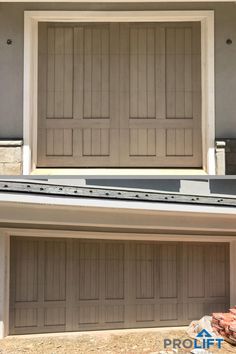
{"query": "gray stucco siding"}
pixel 11 59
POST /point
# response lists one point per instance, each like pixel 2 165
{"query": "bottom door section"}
pixel 71 285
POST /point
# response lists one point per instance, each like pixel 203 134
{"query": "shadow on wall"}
pixel 185 186
pixel 164 185
pixel 223 186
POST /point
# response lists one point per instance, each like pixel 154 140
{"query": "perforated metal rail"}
pixel 8 186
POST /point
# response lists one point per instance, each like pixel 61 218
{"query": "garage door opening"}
pixel 61 285
pixel 119 95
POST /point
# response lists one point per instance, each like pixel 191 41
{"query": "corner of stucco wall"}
pixel 11 157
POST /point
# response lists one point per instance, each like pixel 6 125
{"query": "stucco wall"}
pixel 11 59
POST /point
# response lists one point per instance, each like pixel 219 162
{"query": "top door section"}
pixel 119 95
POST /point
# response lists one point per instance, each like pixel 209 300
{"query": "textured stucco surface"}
pixel 11 59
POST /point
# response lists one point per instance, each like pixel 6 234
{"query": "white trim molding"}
pixel 4 283
pixel 104 215
pixel 32 18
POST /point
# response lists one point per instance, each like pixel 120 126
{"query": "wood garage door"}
pixel 119 95
pixel 72 285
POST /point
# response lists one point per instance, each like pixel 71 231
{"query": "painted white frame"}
pixel 32 18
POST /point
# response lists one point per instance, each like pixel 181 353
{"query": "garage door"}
pixel 71 285
pixel 120 95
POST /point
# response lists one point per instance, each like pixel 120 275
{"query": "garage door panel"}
pixel 52 280
pixel 39 317
pixel 59 142
pixel 195 310
pixel 98 316
pixel 206 293
pixel 76 108
pixel 26 317
pixel 198 309
pixel 142 142
pixel 78 73
pixel 179 71
pixel 169 286
pixel 142 73
pixel 145 312
pixel 160 73
pixel 55 316
pixel 217 264
pixel 144 278
pixel 55 271
pixel 114 271
pixel 96 72
pixel 60 72
pixel 168 271
pixel 169 312
pixel 96 142
pixel 113 305
pixel 196 271
pixel 89 266
pixel 88 314
pixel 179 142
pixel 26 271
pixel 173 153
pixel 115 313
pixel 215 307
pixel 85 284
pixel 119 94
pixel 170 137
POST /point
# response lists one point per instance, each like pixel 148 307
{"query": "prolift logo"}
pixel 203 340
pixel 207 341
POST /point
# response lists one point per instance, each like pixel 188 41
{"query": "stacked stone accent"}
pixel 11 157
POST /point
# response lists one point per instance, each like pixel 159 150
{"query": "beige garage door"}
pixel 119 95
pixel 72 285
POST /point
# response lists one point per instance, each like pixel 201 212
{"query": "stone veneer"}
pixel 11 157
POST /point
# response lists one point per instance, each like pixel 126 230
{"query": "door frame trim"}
pixel 30 100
